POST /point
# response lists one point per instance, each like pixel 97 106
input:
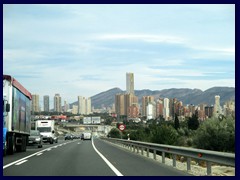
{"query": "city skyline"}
pixel 83 50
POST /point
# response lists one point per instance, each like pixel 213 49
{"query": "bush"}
pixel 216 135
pixel 115 133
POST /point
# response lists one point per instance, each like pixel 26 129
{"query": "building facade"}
pixel 57 103
pixel 130 83
pixel 46 103
pixel 35 103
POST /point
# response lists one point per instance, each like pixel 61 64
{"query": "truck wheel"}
pixel 51 142
pixel 11 144
pixel 24 144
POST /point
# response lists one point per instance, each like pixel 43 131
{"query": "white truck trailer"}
pixel 16 115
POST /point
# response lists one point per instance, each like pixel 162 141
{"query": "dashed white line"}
pixel 39 154
pixel 21 162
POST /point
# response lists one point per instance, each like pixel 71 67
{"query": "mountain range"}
pixel 187 96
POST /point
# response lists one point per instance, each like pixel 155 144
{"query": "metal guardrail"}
pixel 190 153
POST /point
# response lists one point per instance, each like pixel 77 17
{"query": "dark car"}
pixel 35 138
pixel 68 137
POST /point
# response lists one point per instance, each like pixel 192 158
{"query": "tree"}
pixel 193 122
pixel 164 134
pixel 216 135
pixel 115 133
pixel 176 122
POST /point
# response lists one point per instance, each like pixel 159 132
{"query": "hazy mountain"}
pixel 187 96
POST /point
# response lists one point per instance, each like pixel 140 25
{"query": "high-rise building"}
pixel 84 105
pixel 217 108
pixel 119 104
pixel 145 101
pixel 46 103
pixel 159 107
pixel 130 83
pixel 166 108
pixel 88 106
pixel 208 111
pixel 66 106
pixel 57 103
pixel 35 103
pixel 151 110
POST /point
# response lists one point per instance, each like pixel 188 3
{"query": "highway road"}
pixel 83 158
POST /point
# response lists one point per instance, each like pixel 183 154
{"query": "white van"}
pixel 86 136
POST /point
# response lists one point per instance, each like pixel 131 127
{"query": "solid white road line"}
pixel 107 162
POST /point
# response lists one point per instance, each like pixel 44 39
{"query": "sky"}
pixel 85 49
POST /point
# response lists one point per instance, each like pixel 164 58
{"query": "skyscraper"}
pixel 217 107
pixel 130 83
pixel 57 103
pixel 84 105
pixel 35 103
pixel 166 109
pixel 46 103
pixel 145 101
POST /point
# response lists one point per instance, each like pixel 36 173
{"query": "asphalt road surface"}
pixel 83 158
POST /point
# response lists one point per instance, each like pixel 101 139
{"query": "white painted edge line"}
pixel 39 154
pixel 21 162
pixel 107 162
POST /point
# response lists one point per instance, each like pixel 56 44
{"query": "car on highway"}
pixel 35 138
pixel 68 137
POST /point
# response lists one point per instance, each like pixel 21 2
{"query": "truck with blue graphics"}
pixel 16 115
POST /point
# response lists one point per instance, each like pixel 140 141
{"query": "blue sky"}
pixel 82 50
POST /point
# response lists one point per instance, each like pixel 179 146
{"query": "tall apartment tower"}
pixel 217 107
pixel 35 103
pixel 84 105
pixel 130 83
pixel 145 101
pixel 57 103
pixel 166 108
pixel 46 103
pixel 81 105
pixel 88 105
pixel 119 104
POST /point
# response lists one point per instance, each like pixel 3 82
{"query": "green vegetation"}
pixel 217 134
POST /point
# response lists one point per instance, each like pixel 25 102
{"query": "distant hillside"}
pixel 187 96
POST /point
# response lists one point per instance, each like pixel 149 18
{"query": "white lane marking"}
pixel 34 154
pixel 107 162
pixel 21 162
pixel 39 154
pixel 49 149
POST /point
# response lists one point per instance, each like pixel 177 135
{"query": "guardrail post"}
pixel 142 150
pixel 147 152
pixel 133 148
pixel 137 149
pixel 209 168
pixel 154 154
pixel 188 164
pixel 174 160
pixel 163 157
